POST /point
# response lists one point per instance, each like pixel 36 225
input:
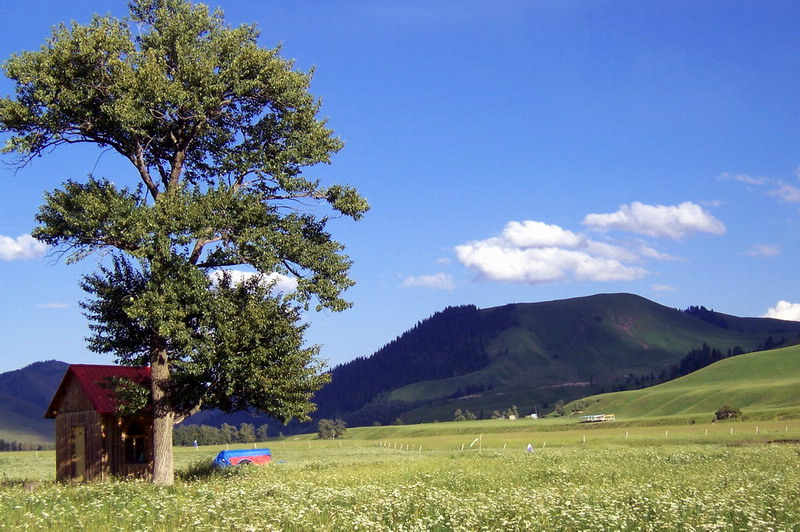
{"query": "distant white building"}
pixel 598 417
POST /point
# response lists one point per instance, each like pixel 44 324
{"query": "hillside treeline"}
pixel 448 344
pixel 205 435
pixel 695 359
pixel 733 323
pixel 701 357
pixel 6 446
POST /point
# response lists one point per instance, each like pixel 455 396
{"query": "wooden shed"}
pixel 93 442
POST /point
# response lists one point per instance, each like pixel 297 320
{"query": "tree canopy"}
pixel 219 133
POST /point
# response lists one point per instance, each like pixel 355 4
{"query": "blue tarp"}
pixel 234 457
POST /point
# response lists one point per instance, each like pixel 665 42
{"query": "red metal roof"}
pixel 93 379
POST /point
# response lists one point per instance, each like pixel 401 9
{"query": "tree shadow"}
pixel 198 470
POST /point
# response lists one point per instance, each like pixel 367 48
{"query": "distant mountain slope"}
pixel 528 354
pixel 24 395
pixel 767 380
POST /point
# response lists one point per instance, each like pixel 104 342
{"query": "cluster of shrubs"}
pixel 329 429
pixel 466 415
pixel 27 446
pixel 728 412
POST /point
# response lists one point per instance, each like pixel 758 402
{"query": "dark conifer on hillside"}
pixel 448 344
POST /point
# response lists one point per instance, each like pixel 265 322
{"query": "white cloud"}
pixel 539 234
pixel 59 306
pixel 785 192
pixel 652 253
pixel 744 178
pixel 283 283
pixel 659 221
pixel 440 281
pixel 784 311
pixel 588 268
pixel 663 288
pixel 538 253
pixel 20 248
pixel 611 251
pixel 764 250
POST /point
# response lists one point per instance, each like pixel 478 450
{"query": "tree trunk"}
pixel 163 417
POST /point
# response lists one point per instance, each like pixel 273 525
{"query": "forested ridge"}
pixel 735 323
pixel 452 342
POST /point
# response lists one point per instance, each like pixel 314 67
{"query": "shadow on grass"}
pixel 198 470
pixel 28 485
pixel 205 469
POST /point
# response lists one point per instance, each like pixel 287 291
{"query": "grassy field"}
pixel 726 476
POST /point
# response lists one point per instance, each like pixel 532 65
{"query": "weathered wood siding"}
pixel 75 409
pixel 116 435
pixel 73 398
pixel 95 456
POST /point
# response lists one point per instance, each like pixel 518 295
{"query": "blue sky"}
pixel 512 151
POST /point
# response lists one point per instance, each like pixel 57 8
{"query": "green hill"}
pixel 532 355
pixel 766 382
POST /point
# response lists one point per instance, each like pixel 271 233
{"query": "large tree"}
pixel 220 133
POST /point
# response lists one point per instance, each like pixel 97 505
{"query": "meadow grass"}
pixel 418 478
pixel 764 382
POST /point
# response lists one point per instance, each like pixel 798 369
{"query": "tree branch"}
pixel 180 416
pixel 199 245
pixel 137 158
